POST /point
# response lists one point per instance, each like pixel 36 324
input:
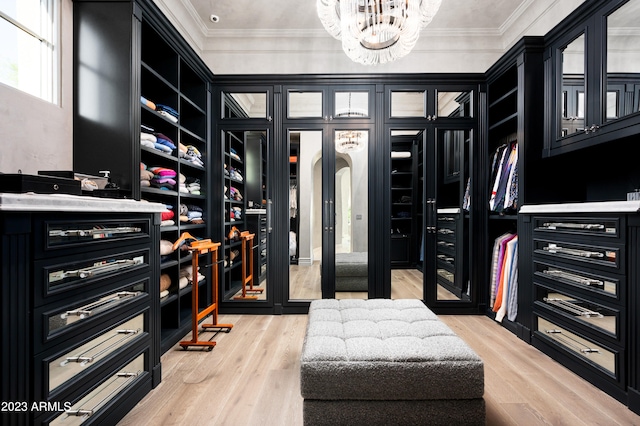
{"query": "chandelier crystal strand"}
pixel 376 31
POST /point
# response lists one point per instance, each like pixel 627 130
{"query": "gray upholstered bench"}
pixel 351 271
pixel 383 362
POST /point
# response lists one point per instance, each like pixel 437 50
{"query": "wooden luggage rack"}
pixel 199 247
pixel 247 263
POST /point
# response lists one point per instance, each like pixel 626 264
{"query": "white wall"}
pixel 34 134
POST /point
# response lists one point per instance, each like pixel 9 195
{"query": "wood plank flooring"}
pixel 252 378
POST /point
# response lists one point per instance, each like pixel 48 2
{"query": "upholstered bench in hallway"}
pixel 383 362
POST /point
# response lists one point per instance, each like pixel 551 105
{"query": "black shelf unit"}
pixel 294 225
pixel 147 58
pixel 404 200
pixel 515 112
pixel 234 203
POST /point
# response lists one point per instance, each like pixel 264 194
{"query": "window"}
pixel 28 58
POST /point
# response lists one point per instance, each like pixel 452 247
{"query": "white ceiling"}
pixel 286 36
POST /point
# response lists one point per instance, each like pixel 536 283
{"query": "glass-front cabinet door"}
pixel 447 217
pixel 594 75
pixel 328 213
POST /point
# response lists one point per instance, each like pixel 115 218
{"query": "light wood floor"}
pixel 252 378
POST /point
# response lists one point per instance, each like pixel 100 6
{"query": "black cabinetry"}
pixel 579 269
pixel 404 200
pixel 145 117
pixel 234 210
pixel 81 290
pixel 514 127
pixel 592 77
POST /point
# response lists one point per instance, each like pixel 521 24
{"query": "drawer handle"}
pixel 572 343
pixel 555 225
pixel 553 248
pixel 445 231
pixel 447 218
pixel 84 359
pixel 86 413
pixel 93 231
pixel 577 310
pixel 445 244
pixel 87 310
pixel 98 269
pixel 574 277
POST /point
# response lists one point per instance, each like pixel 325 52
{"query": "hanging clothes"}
pixel 504 277
pixel 504 178
pixel 293 201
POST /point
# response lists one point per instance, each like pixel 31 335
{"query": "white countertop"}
pixel 597 207
pixel 33 202
pixel 449 211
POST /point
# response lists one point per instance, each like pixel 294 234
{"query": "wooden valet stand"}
pixel 198 247
pixel 247 255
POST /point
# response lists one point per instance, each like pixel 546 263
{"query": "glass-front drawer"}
pixel 590 254
pixel 449 277
pixel 113 387
pixel 76 361
pixel 582 348
pixel 600 318
pixel 88 272
pixel 61 320
pixel 600 284
pixel 589 226
pixel 446 258
pixel 85 233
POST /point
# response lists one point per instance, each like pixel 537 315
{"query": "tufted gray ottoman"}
pixel 387 362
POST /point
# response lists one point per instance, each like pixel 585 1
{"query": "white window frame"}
pixel 48 36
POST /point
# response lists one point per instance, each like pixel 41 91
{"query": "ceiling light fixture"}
pixel 349 141
pixel 376 31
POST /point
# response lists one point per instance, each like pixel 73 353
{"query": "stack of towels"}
pixel 155 140
pixel 145 176
pixel 167 112
pixel 163 178
pixel 190 213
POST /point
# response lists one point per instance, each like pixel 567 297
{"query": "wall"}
pixel 37 135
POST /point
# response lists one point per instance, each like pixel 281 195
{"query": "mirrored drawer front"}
pixel 446 275
pixel 579 346
pixel 447 233
pixel 446 258
pixel 60 234
pixel 597 283
pixel 84 272
pixel 447 221
pixel 605 256
pixel 599 317
pixel 444 245
pixel 60 320
pixel 609 227
pixel 78 360
pixel 91 404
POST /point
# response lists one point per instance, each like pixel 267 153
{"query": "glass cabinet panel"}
pixel 408 104
pixel 304 104
pixel 454 104
pixel 573 87
pixel 351 104
pixel 244 105
pixel 623 60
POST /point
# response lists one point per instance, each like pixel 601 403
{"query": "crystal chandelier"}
pixel 349 141
pixel 376 31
